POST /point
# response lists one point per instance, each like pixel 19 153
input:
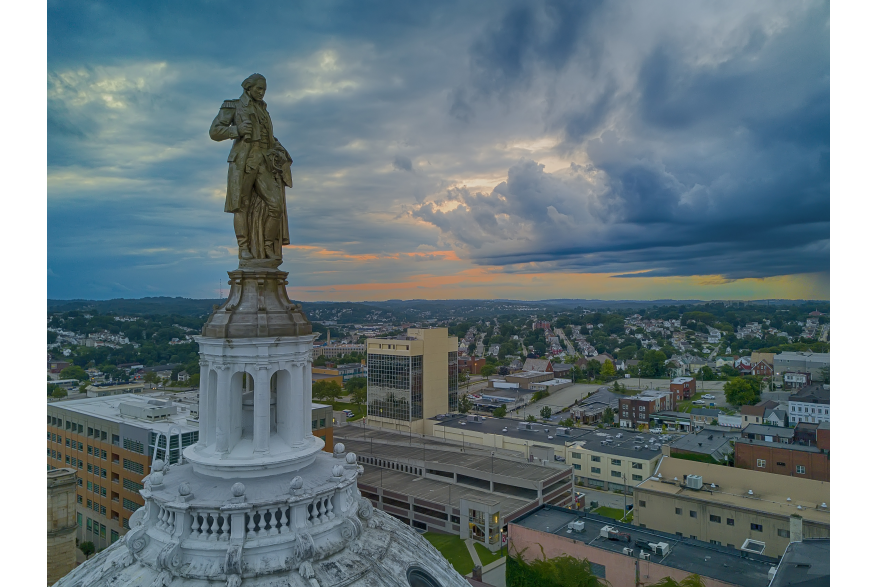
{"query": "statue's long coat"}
pixel 231 115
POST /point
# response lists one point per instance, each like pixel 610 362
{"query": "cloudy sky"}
pixel 531 150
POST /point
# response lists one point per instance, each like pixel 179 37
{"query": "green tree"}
pixel 52 336
pixel 743 391
pixel 464 406
pixel 326 389
pixel 562 571
pixel 151 377
pixel 707 374
pixel 826 372
pixel 531 418
pixel 473 346
pixel 689 581
pixel 608 416
pixel 499 412
pixel 320 361
pixel 567 422
pixel 488 370
pixel 608 369
pixel 359 397
pixel 74 372
pixel 58 392
pixel 354 383
pixel 87 548
pixel 545 412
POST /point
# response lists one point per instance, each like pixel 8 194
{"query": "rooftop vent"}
pixel 750 492
pixel 823 505
pixel 788 499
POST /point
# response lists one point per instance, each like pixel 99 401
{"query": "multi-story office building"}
pixel 683 388
pixel 732 507
pixel 111 442
pixel 810 404
pixel 411 378
pixel 330 351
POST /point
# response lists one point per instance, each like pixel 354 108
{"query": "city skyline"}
pixel 603 151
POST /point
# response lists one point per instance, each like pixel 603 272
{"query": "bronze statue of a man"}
pixel 258 172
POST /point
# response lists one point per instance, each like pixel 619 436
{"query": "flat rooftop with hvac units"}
pixel 625 554
pixel 730 506
pixel 434 485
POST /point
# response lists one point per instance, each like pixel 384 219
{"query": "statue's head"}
pixel 255 86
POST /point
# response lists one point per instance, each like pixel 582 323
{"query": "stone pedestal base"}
pixel 257 306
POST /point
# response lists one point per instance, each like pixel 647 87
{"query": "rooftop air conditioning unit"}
pixel 627 551
pixel 578 526
pixel 694 481
pixel 661 548
pixel 606 530
pixel 645 555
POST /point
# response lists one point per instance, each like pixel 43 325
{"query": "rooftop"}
pixel 395 447
pixel 814 394
pixel 108 408
pixel 622 443
pixel 789 446
pixel 806 563
pixel 692 556
pixel 770 493
pixel 438 492
pixel 708 442
pixel 766 430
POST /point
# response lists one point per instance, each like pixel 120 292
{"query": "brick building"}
pixel 683 387
pixel 762 369
pixel 797 459
pixel 636 410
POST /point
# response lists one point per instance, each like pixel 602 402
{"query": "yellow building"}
pixel 411 378
pixel 752 510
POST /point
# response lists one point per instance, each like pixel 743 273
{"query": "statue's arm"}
pixel 223 127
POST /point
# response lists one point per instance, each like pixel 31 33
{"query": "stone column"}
pixel 307 407
pixel 203 398
pixel 296 401
pixel 261 410
pixel 223 408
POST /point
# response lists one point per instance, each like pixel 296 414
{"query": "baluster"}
pixel 162 513
pixel 310 520
pixel 263 522
pixel 173 522
pixel 205 525
pixel 322 511
pixel 214 528
pixel 274 526
pixel 284 521
pixel 251 527
pixel 330 508
pixel 195 525
pixel 225 527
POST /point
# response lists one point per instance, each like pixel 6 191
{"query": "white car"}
pixel 698 402
pixel 708 396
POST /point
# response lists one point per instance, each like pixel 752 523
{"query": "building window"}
pixel 616 473
pixel 756 527
pixel 717 519
pixel 692 514
pixel 693 537
pixel 642 504
pixel 595 470
pixel 129 505
pixel 800 469
pixel 131 485
pixel 576 455
pixel 716 542
pixel 637 477
pixel 616 462
pixel 595 459
pixel 780 464
pixel 79 499
pixel 783 533
pixel 577 467
pixel 678 511
pixel 760 463
pixel 125 524
pixel 131 466
pixel 636 465
pixel 133 446
pixel 113 536
pixel 313 424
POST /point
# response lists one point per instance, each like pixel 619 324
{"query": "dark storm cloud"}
pixel 697 134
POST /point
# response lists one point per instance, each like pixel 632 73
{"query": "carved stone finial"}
pixel 158 465
pixel 238 489
pixel 339 450
pixel 351 458
pixel 337 471
pixel 295 485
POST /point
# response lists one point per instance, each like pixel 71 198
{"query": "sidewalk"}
pixel 470 546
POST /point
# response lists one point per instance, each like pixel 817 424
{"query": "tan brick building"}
pixel 61 528
pixel 731 506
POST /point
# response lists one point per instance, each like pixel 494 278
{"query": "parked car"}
pixel 708 396
pixel 698 402
pixel 348 413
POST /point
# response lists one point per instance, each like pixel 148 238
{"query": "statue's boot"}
pixel 244 249
pixel 272 229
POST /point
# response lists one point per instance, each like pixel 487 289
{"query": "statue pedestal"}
pixel 257 305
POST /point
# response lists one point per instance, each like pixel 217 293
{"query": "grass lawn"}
pixel 358 411
pixel 614 513
pixel 454 549
pixel 485 555
pixel 686 405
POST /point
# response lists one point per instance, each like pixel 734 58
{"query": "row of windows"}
pixel 130 505
pixel 131 485
pixel 132 466
pixel 762 463
pixel 808 410
pixel 315 426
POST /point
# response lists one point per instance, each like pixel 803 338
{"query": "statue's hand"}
pixel 245 128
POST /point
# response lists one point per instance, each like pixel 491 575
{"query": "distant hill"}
pixel 405 310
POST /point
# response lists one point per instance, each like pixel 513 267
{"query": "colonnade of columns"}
pixel 221 403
